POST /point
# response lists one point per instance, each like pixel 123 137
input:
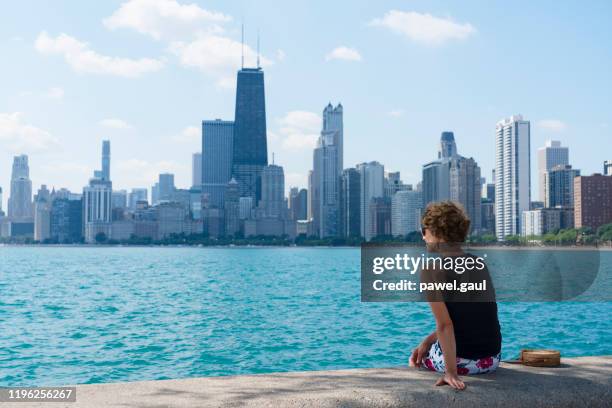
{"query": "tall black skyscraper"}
pixel 250 150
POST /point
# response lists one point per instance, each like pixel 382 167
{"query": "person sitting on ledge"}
pixel 467 339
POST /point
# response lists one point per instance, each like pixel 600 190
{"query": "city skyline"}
pixel 66 109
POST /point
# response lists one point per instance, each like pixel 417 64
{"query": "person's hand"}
pixel 452 380
pixel 419 354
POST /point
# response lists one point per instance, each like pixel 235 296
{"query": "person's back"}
pixel 474 314
pixel 477 331
pixel 467 339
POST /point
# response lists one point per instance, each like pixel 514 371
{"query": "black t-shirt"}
pixel 473 313
pixel 477 331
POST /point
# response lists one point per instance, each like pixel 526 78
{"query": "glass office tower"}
pixel 250 150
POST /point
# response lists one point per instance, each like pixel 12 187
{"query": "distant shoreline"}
pixel 232 246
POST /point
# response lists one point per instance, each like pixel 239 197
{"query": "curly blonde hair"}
pixel 446 220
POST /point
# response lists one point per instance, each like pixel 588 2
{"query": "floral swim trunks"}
pixel 435 362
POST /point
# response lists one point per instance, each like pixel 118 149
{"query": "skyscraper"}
pixel 298 203
pixel 448 147
pixel 592 201
pixel 250 150
pixel 512 174
pixel 372 178
pixel 350 203
pixel 165 187
pixel 272 191
pixel 310 212
pixel 326 170
pixel 20 201
pixel 380 217
pixel 333 122
pixel 66 220
pixel 549 156
pixel 559 186
pixel 325 183
pixel 453 177
pixel 466 188
pixel 97 206
pixel 97 200
pixel 436 174
pixel 217 151
pixel 232 208
pixel 406 208
pixel 42 214
pixel 106 157
pixel 436 181
pixel 196 170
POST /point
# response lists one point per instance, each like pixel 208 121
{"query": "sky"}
pixel 145 73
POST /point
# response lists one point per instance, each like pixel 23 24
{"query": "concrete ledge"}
pixel 584 381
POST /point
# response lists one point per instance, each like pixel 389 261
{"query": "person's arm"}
pixel 420 352
pixel 446 338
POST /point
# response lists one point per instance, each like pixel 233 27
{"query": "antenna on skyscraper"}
pixel 257 48
pixel 242 44
pixel 272 154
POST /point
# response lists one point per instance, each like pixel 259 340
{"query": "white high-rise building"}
pixel 196 170
pixel 20 204
pixel 97 209
pixel 98 200
pixel 512 174
pixel 406 208
pixel 549 156
pixel 372 186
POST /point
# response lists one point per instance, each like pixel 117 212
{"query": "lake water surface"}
pixel 107 314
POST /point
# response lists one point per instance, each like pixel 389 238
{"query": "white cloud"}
pixel 84 60
pixel 299 130
pixel 189 134
pixel 343 53
pixel 164 18
pixel 551 125
pixel 396 113
pixel 280 55
pixel 423 27
pixel 17 136
pixel 216 56
pixel 115 123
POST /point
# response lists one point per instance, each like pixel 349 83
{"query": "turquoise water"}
pixel 91 315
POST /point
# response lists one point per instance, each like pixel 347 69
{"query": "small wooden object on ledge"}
pixel 540 358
